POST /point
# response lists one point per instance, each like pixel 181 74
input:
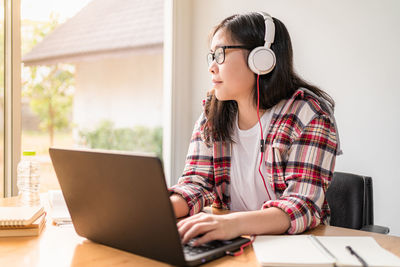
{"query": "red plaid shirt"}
pixel 301 148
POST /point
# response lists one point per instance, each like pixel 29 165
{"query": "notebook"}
pixel 33 229
pixel 309 250
pixel 121 200
pixel 19 216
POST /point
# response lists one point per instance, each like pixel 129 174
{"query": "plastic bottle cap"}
pixel 28 153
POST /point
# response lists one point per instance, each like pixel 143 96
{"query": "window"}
pixel 92 76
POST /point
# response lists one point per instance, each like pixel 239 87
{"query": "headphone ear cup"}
pixel 261 60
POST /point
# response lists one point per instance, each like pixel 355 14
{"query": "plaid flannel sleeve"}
pixel 308 171
pixel 196 184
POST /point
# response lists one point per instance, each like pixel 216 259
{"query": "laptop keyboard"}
pixel 191 250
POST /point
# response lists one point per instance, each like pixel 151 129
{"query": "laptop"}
pixel 121 200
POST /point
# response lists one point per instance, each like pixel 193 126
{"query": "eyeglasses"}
pixel 219 54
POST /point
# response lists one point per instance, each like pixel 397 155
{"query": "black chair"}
pixel 350 198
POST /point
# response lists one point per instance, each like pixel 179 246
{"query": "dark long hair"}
pixel 249 29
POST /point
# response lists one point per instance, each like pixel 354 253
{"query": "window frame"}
pixel 12 96
pixel 177 79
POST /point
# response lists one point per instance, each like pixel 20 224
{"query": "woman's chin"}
pixel 220 96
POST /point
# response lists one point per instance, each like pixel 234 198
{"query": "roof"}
pixel 103 28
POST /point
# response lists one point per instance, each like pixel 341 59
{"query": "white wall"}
pixel 126 90
pixel 349 49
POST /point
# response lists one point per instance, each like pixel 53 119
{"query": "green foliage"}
pixel 49 88
pixel 51 97
pixel 138 138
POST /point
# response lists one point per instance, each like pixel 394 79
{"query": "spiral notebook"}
pixel 19 216
pixel 33 229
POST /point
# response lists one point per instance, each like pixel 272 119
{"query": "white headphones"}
pixel 262 59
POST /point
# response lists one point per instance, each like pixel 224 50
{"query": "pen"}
pixel 62 222
pixel 352 252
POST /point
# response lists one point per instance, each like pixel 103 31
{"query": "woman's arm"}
pixel 196 184
pixel 307 174
pixel 181 208
pixel 267 221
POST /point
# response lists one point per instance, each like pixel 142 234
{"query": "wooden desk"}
pixel 61 246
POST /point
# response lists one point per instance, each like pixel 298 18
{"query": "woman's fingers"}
pixel 189 223
pixel 211 226
pixel 210 236
pixel 198 229
pixel 191 218
pixel 184 226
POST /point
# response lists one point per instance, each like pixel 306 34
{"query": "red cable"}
pixel 258 106
pixel 253 237
pixel 262 136
pixel 240 252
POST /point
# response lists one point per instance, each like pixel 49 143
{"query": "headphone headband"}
pixel 269 29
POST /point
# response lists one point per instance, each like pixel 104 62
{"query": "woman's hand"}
pixel 223 227
pixel 212 227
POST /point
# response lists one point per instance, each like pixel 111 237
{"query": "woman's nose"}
pixel 213 67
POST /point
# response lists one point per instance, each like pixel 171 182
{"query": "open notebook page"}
pixel 365 246
pixel 284 250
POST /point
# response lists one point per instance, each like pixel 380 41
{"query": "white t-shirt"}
pixel 247 189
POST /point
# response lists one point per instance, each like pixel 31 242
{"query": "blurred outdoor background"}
pixel 91 77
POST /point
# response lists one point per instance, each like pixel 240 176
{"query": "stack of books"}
pixel 22 221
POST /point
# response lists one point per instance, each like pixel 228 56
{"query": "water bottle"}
pixel 28 179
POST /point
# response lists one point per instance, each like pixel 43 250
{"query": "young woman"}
pixel 275 185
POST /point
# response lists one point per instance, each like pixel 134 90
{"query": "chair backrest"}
pixel 350 199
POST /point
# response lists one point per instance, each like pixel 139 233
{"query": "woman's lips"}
pixel 216 82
